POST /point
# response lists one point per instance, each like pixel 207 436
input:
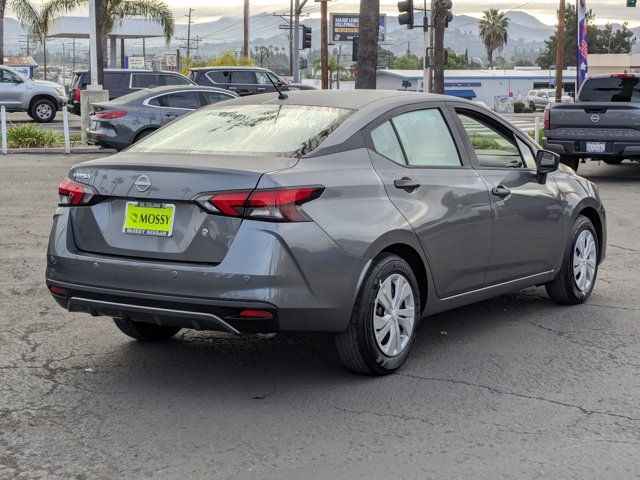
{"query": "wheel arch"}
pixel 43 96
pixel 147 129
pixel 592 214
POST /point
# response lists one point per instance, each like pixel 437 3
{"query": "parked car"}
pixel 122 122
pixel 243 80
pixel 357 213
pixel 39 98
pixel 121 82
pixel 539 99
pixel 604 124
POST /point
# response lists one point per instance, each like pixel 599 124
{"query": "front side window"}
pixel 426 139
pixel 112 80
pixel 185 100
pixel 263 79
pixel 219 76
pixel 527 154
pixel 493 148
pixel 284 130
pixel 214 97
pixel 7 76
pixel 385 142
pixel 175 80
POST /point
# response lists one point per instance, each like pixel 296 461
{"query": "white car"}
pixel 539 99
pixel 39 98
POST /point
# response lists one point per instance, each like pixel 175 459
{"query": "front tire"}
pixel 384 320
pixel 579 270
pixel 612 161
pixel 532 106
pixel 146 332
pixel 43 111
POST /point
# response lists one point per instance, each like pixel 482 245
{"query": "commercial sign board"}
pixel 135 62
pixel 344 26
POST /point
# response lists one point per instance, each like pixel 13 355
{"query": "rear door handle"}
pixel 406 183
pixel 500 191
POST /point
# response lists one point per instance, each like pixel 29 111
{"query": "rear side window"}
pixel 426 139
pixel 175 80
pixel 219 76
pixel 145 80
pixel 611 89
pixel 113 80
pixel 243 77
pixel 214 97
pixel 185 100
pixel 385 142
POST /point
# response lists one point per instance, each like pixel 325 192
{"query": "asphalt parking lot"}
pixel 515 387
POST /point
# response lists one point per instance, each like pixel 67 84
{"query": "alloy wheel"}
pixel 584 261
pixel 394 315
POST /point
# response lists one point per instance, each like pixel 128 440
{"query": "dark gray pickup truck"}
pixel 604 123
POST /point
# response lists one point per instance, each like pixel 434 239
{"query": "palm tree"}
pixel 494 31
pixel 36 22
pixel 333 65
pixel 116 10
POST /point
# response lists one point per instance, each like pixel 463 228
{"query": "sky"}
pixel 605 10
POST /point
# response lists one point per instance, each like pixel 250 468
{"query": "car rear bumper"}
pixel 296 271
pixel 577 148
pixel 104 140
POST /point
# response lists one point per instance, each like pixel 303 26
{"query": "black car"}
pixel 122 122
pixel 243 80
pixel 122 82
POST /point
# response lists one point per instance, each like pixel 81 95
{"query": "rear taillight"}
pixel 76 94
pixel 57 291
pixel 74 194
pixel 547 118
pixel 273 205
pixel 111 115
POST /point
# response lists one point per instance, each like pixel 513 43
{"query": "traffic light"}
pixel 306 37
pixel 406 13
pixel 354 50
pixel 632 3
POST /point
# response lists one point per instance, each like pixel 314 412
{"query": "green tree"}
pixel 601 40
pixel 457 61
pixel 115 10
pixel 36 22
pixel 335 67
pixel 224 59
pixel 407 62
pixel 494 29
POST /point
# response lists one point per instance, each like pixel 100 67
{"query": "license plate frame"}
pixel 133 226
pixel 596 147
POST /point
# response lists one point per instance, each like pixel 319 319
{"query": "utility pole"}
pixel 324 45
pixel 291 38
pixel 560 52
pixel 245 35
pixel 429 54
pixel 73 58
pixel 189 34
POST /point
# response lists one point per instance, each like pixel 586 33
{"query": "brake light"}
pixel 57 291
pixel 623 75
pixel 111 115
pixel 74 194
pixel 76 94
pixel 274 205
pixel 547 118
pixel 264 314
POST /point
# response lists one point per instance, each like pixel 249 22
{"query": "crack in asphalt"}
pixel 382 415
pixel 497 391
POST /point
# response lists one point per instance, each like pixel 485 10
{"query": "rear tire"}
pixel 569 287
pixel 43 111
pixel 384 320
pixel 571 162
pixel 146 332
pixel 532 106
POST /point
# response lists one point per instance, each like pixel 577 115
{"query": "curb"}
pixel 59 151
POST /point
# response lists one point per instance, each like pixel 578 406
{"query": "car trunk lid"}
pixel 165 187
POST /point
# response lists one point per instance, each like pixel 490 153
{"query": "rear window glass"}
pixel 613 89
pixel 246 130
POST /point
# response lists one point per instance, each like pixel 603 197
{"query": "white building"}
pixel 483 85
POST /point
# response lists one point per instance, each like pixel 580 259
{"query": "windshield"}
pixel 246 130
pixel 613 89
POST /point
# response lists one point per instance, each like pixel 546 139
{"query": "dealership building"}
pixel 488 86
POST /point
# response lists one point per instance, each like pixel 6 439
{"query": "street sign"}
pixel 171 61
pixel 135 62
pixel 344 26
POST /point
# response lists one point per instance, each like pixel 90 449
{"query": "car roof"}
pixel 143 94
pixel 131 70
pixel 230 67
pixel 350 99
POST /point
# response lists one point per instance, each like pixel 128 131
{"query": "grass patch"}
pixel 482 143
pixel 29 135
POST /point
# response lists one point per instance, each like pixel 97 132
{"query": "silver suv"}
pixel 539 99
pixel 39 98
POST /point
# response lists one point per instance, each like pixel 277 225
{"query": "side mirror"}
pixel 546 162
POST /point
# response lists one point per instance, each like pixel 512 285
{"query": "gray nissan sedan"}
pixel 353 212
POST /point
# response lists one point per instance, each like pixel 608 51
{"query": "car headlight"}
pixel 61 91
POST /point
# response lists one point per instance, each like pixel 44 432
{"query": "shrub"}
pixel 532 134
pixel 28 135
pixel 518 107
pixel 228 58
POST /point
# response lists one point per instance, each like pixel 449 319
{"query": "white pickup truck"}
pixel 603 124
pixel 39 98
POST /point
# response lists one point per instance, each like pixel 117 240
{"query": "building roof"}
pixel 78 27
pixel 20 61
pixel 480 74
